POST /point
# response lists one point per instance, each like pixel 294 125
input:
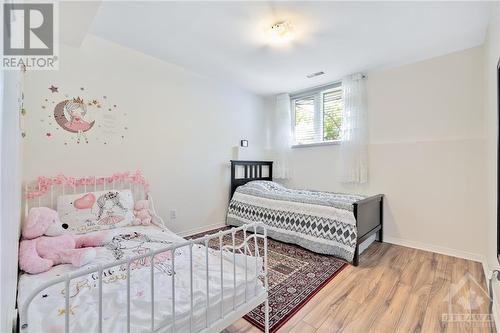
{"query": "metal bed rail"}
pixel 46 190
pixel 243 248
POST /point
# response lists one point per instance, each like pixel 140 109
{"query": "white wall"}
pixel 10 195
pixel 182 128
pixel 492 55
pixel 425 154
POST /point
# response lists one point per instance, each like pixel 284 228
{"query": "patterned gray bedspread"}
pixel 322 222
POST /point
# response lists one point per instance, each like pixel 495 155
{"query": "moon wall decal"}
pixel 61 119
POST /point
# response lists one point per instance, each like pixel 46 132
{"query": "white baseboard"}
pixel 435 248
pixel 204 228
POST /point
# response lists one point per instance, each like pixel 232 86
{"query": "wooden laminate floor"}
pixel 394 289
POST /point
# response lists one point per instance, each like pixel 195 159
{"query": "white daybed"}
pixel 189 287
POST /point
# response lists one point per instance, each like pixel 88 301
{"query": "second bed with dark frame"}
pixel 368 212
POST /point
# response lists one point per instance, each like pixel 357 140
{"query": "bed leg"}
pixel 355 260
pixel 381 231
pixel 266 324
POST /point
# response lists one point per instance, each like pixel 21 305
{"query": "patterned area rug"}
pixel 295 276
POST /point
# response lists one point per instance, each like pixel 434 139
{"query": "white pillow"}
pixel 93 211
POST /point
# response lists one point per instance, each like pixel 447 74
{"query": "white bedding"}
pixel 46 313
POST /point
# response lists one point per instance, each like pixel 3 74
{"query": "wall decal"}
pixel 85 117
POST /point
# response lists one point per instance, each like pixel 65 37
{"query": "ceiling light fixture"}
pixel 281 33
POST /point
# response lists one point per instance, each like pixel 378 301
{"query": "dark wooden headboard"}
pixel 253 170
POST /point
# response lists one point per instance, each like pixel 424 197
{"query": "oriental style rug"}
pixel 295 276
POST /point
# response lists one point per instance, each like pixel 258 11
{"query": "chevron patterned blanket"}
pixel 322 222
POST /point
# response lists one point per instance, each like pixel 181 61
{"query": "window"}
pixel 317 115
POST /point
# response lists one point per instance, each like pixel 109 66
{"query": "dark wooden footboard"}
pixel 369 214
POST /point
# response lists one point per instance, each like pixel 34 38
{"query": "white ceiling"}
pixel 225 40
pixel 75 20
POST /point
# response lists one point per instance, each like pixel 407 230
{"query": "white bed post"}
pixel 225 318
pixel 152 268
pixel 191 305
pixel 257 254
pixel 266 286
pixel 128 296
pixel 26 202
pixel 234 270
pixel 52 197
pixel 173 289
pixel 100 297
pixel 207 323
pixel 221 277
pixel 246 259
pixel 39 196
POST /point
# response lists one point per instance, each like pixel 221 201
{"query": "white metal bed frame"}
pixel 222 322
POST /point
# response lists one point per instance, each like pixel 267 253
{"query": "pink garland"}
pixel 44 183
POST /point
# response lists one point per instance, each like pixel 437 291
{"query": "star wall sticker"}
pixel 53 88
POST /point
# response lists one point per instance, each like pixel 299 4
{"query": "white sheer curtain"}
pixel 282 137
pixel 354 144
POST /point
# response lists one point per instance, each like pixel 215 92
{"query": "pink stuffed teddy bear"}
pixel 143 215
pixel 38 253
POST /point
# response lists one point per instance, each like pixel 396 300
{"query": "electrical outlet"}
pixel 173 214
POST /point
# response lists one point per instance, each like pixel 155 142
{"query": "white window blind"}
pixel 317 115
pixel 305 124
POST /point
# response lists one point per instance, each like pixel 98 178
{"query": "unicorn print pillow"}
pixel 93 211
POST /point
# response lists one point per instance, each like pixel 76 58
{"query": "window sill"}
pixel 317 144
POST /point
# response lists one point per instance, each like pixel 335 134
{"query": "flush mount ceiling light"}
pixel 281 33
